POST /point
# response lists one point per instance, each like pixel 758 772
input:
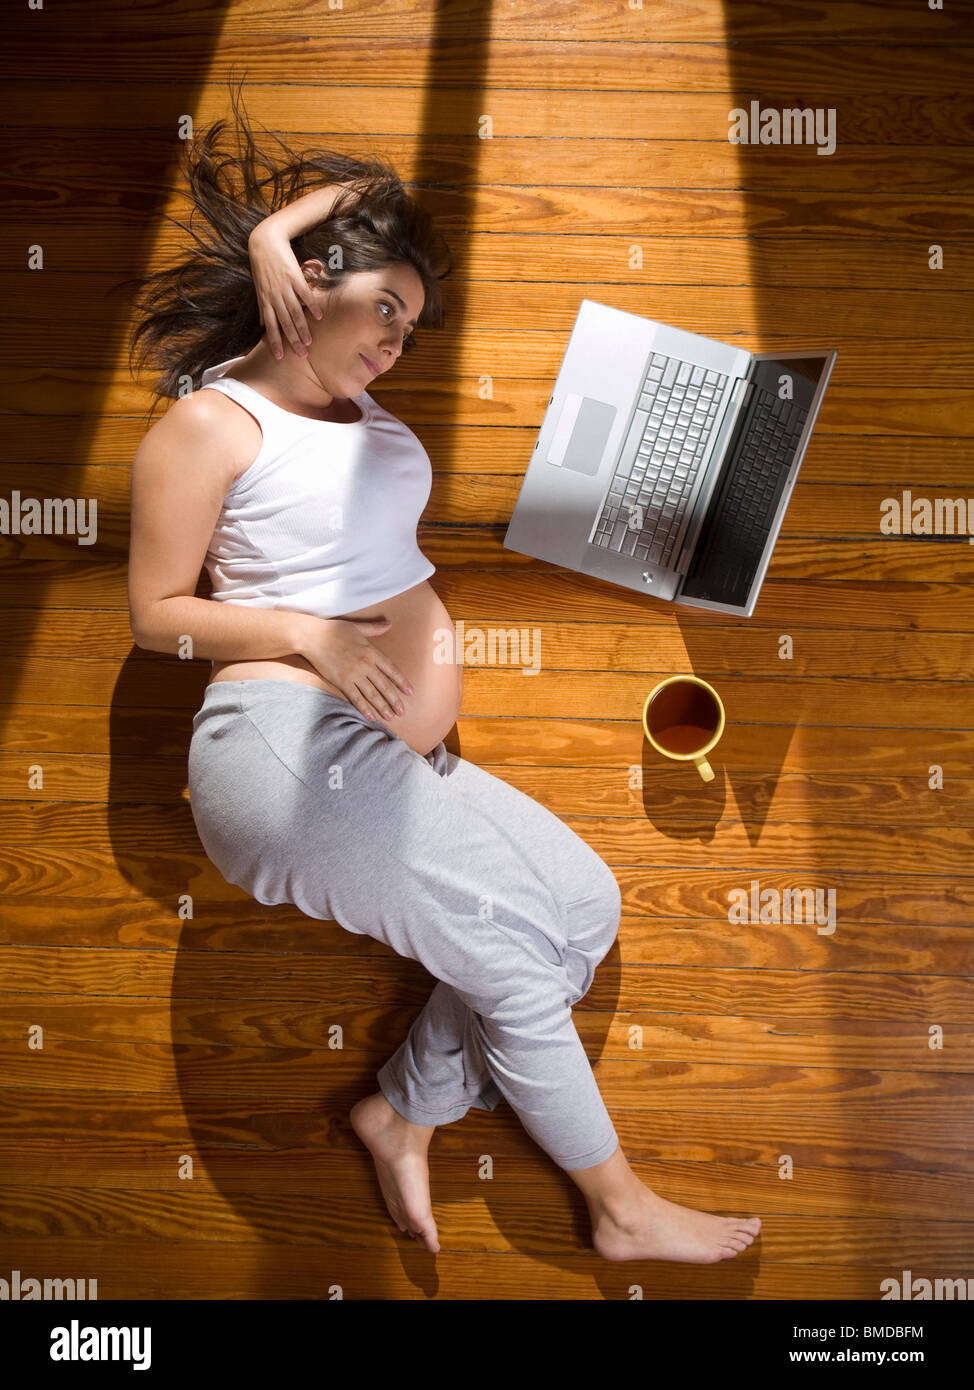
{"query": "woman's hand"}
pixel 281 289
pixel 339 650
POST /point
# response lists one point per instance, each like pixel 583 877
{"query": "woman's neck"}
pixel 290 390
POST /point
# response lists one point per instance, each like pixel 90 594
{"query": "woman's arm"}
pixel 303 214
pixel 282 291
pixel 180 475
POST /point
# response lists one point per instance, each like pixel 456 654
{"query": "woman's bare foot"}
pixel 400 1152
pixel 655 1229
pixel 632 1222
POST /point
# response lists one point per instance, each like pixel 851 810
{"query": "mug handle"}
pixel 704 768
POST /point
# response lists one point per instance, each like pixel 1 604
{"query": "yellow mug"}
pixel 683 718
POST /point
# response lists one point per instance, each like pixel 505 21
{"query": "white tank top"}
pixel 324 519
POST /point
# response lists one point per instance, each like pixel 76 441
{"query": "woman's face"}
pixel 368 316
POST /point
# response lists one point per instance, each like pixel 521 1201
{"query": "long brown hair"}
pixel 204 310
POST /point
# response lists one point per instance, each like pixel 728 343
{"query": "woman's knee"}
pixel 612 901
pixel 601 905
pixel 611 907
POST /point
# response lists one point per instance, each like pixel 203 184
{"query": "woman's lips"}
pixel 371 365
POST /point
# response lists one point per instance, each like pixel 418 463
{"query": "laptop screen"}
pixel 760 459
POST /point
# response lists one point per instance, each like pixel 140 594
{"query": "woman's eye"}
pixel 407 341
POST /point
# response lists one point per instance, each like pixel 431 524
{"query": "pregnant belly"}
pixel 414 643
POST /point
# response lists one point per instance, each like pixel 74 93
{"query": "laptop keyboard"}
pixel 645 510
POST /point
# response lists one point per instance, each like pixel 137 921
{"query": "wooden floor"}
pixel 821 1081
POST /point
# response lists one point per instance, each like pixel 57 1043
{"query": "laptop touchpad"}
pixel 580 435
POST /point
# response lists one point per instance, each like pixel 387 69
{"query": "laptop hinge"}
pixel 733 417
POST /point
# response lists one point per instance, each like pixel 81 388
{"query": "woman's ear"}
pixel 315 274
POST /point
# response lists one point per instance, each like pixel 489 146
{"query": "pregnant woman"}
pixel 318 775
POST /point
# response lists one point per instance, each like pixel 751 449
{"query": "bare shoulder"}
pixel 212 427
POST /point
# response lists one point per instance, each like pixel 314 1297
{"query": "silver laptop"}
pixel 665 461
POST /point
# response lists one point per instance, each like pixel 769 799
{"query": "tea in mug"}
pixel 683 717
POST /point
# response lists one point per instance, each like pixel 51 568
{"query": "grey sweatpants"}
pixel 298 798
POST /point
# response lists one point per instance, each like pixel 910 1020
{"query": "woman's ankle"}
pixel 610 1188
